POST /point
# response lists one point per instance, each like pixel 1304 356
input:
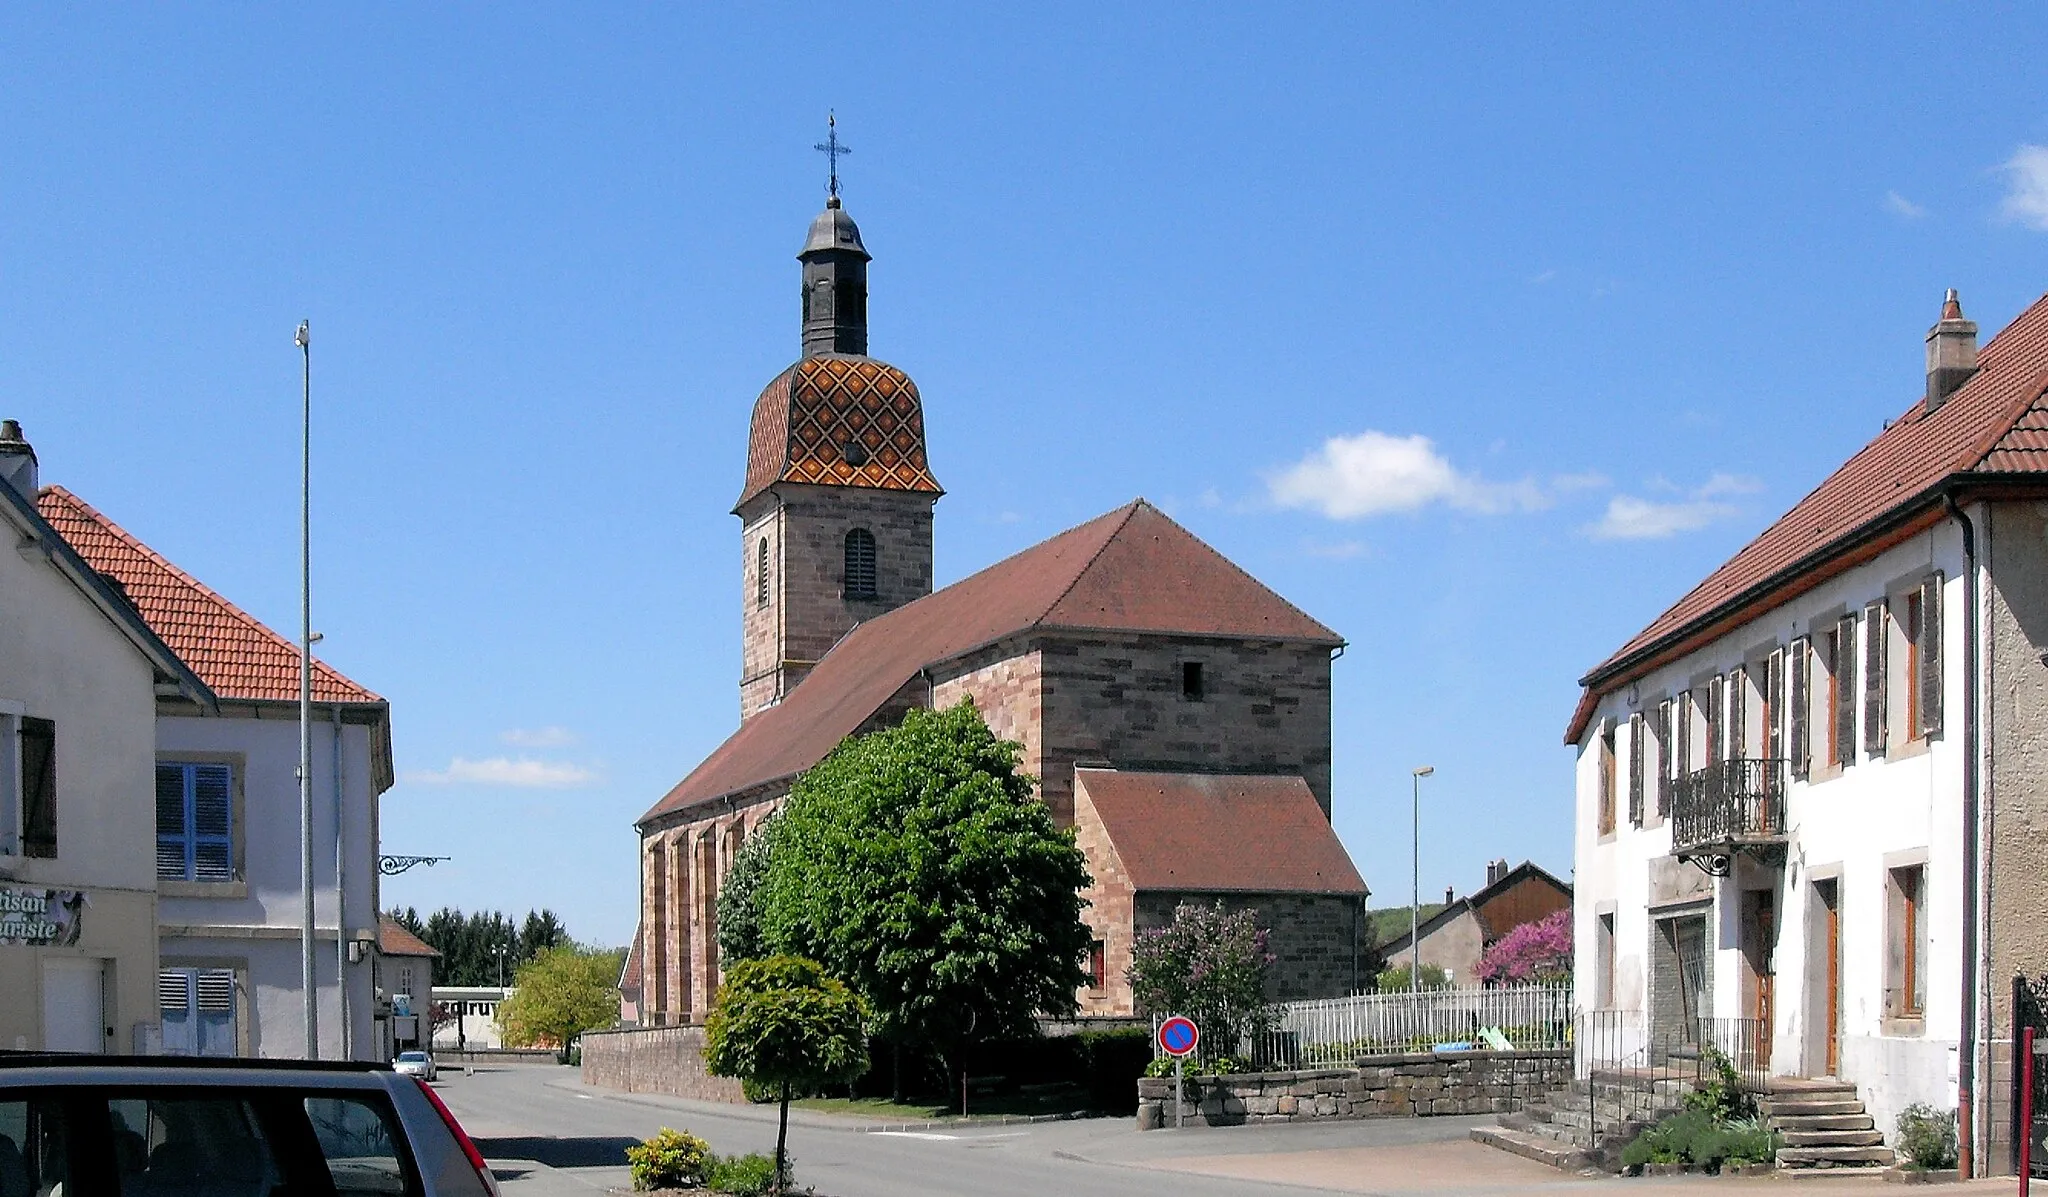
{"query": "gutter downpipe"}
pixel 1966 1048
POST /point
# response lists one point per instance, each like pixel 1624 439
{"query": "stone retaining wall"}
pixel 1398 1086
pixel 666 1060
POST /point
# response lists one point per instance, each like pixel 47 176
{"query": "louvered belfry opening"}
pixel 860 564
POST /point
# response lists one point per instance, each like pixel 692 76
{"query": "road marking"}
pixel 586 1097
pixel 914 1134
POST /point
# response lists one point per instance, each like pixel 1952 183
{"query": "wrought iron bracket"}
pixel 1714 864
pixel 392 866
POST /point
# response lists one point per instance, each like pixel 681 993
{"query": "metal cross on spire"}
pixel 831 148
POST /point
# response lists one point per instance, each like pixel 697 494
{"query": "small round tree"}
pixel 1533 952
pixel 783 1024
pixel 1208 965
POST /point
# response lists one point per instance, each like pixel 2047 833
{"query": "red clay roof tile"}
pixel 230 650
pixel 817 419
pixel 394 940
pixel 1130 570
pixel 1207 831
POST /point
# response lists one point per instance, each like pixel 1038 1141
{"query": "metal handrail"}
pixel 1730 802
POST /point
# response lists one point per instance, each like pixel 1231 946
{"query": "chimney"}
pixel 1495 870
pixel 1951 353
pixel 17 460
pixel 1450 896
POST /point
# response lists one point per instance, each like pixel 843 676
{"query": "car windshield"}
pixel 412 1057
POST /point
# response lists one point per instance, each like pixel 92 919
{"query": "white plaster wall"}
pixel 269 751
pixel 1853 825
pixel 64 659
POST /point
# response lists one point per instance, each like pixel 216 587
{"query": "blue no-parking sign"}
pixel 1178 1036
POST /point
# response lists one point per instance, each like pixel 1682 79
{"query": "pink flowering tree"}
pixel 1532 952
pixel 1209 965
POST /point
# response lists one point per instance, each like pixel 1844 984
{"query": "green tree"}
pixel 1395 978
pixel 483 947
pixel 1209 965
pixel 739 897
pixel 917 864
pixel 783 1024
pixel 560 994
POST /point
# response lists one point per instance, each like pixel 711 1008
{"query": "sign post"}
pixel 1177 1038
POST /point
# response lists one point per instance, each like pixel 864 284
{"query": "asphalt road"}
pixel 547 1135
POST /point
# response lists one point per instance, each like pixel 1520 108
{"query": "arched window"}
pixel 860 564
pixel 761 575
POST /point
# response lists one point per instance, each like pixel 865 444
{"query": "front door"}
pixel 74 1013
pixel 1759 941
pixel 1828 972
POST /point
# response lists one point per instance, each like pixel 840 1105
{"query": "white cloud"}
pixel 1899 205
pixel 1630 518
pixel 2026 197
pixel 551 736
pixel 523 773
pixel 1374 473
pixel 1540 279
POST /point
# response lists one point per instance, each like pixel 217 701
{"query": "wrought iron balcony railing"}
pixel 1729 804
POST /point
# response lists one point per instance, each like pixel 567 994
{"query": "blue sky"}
pixel 1479 334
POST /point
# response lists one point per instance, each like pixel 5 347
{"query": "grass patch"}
pixel 926 1109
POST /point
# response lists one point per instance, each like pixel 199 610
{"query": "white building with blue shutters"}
pixel 226 825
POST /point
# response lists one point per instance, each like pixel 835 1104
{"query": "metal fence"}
pixel 1634 1071
pixel 1336 1031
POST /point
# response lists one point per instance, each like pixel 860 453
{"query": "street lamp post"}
pixel 304 340
pixel 1415 880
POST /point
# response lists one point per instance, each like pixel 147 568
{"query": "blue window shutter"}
pixel 173 842
pixel 213 810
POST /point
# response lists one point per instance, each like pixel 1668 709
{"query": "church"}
pixel 1175 710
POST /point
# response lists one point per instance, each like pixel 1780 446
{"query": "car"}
pixel 79 1124
pixel 416 1064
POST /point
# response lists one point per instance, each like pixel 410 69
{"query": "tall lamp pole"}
pixel 1415 880
pixel 304 340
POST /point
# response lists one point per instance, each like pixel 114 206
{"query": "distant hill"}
pixel 1392 923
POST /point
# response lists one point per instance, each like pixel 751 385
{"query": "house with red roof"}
pixel 1175 710
pixel 81 675
pixel 1811 794
pixel 224 830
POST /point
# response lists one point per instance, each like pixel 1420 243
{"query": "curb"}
pixel 869 1128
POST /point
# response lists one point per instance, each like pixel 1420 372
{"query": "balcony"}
pixel 1726 808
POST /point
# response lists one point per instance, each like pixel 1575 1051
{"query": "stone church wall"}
pixel 1116 699
pixel 1318 940
pixel 1004 680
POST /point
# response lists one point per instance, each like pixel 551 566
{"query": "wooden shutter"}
pixel 1844 691
pixel 1635 770
pixel 1684 735
pixel 1800 667
pixel 1717 695
pixel 1774 703
pixel 1929 680
pixel 38 788
pixel 1738 714
pixel 1606 765
pixel 1875 632
pixel 1663 771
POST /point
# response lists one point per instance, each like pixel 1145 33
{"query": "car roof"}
pixel 20 1071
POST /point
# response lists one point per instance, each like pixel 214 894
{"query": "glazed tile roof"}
pixel 1217 832
pixel 1995 426
pixel 231 650
pixel 839 420
pixel 394 940
pixel 1132 570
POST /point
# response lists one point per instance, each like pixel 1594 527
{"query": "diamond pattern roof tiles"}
pixel 839 420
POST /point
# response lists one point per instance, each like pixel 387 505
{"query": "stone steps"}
pixel 1824 1128
pixel 1835 1157
pixel 1832 1138
pixel 1822 1122
pixel 1531 1146
pixel 1809 1109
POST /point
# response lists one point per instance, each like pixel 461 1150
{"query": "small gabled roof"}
pixel 1477 900
pixel 1219 833
pixel 394 940
pixel 632 973
pixel 1993 429
pixel 1132 570
pixel 102 593
pixel 236 655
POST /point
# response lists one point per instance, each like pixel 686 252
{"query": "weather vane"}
pixel 831 148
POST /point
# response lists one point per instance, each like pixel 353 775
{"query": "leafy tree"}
pixel 1538 951
pixel 739 897
pixel 1395 979
pixel 1209 965
pixel 561 993
pixel 470 944
pixel 916 863
pixel 782 1023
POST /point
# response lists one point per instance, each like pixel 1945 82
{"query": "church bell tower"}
pixel 836 512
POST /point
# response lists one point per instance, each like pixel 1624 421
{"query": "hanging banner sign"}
pixel 41 917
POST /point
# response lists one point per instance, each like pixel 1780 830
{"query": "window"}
pixel 1875 633
pixel 33 1158
pixel 1686 713
pixel 38 754
pixel 1906 949
pixel 1606 767
pixel 1603 979
pixel 1635 770
pixel 1097 971
pixel 860 564
pixel 405 979
pixel 1799 668
pixel 1738 714
pixel 198 1011
pixel 761 574
pixel 1773 701
pixel 195 814
pixel 1191 681
pixel 1717 693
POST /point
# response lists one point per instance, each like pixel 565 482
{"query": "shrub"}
pixel 1210 965
pixel 1669 1142
pixel 1395 979
pixel 1927 1136
pixel 1111 1063
pixel 1538 951
pixel 1721 1096
pixel 672 1159
pixel 751 1175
